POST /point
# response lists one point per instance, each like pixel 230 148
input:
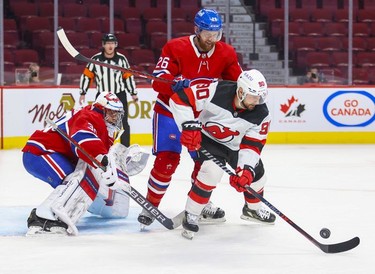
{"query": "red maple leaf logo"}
pixel 285 107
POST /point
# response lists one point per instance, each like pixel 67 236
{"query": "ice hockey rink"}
pixel 315 186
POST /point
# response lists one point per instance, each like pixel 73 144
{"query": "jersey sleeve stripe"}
pixel 187 98
pixel 253 144
pixel 180 100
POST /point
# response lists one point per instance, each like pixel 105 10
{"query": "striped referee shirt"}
pixel 108 79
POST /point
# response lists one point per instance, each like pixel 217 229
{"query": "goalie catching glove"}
pixel 244 177
pixel 191 135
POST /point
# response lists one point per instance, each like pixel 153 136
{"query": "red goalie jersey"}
pixel 180 57
pixel 85 126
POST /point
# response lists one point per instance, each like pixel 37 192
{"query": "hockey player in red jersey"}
pixel 232 125
pixel 76 180
pixel 187 61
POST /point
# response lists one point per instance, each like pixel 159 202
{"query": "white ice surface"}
pixel 314 185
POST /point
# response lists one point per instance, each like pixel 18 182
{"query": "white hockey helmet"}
pixel 253 83
pixel 113 108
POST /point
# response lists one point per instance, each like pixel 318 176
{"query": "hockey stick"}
pixel 76 55
pixel 327 248
pixel 134 194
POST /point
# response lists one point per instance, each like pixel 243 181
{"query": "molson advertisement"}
pixel 24 110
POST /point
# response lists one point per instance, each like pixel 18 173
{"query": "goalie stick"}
pixel 134 194
pixel 327 248
pixel 78 56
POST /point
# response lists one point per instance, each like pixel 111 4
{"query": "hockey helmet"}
pixel 113 108
pixel 207 19
pixel 253 83
pixel 208 24
pixel 109 37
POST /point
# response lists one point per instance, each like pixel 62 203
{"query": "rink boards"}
pixel 315 115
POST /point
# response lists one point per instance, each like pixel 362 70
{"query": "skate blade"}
pixel 203 220
pixel 142 227
pixel 34 231
pixel 187 234
pixel 246 218
pixel 39 232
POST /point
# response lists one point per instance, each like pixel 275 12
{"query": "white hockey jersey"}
pixel 237 129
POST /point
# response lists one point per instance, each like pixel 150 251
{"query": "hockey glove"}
pixel 191 135
pixel 243 177
pixel 110 176
pixel 180 85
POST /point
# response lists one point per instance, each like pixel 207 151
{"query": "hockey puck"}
pixel 325 233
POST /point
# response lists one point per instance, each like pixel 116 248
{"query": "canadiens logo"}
pixel 292 109
pixel 220 132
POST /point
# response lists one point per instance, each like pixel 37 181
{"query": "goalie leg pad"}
pixel 110 203
pixel 69 201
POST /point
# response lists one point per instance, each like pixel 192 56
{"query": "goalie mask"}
pixel 208 24
pixel 252 83
pixel 113 110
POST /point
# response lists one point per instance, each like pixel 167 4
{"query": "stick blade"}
pixel 177 220
pixel 66 43
pixel 340 247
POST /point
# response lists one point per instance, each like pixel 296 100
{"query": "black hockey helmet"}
pixel 109 37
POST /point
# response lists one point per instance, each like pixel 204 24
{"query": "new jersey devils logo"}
pixel 220 132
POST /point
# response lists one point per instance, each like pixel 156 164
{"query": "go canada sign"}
pixel 350 108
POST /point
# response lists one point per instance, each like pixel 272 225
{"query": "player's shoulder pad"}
pixel 120 54
pixel 257 115
pixel 225 90
pixel 178 44
pixel 97 56
pixel 226 84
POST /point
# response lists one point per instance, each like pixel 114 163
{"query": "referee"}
pixel 111 80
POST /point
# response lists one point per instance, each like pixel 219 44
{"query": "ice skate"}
pixel 212 214
pixel 190 225
pixel 260 215
pixel 37 226
pixel 145 219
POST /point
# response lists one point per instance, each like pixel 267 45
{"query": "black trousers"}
pixel 125 137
